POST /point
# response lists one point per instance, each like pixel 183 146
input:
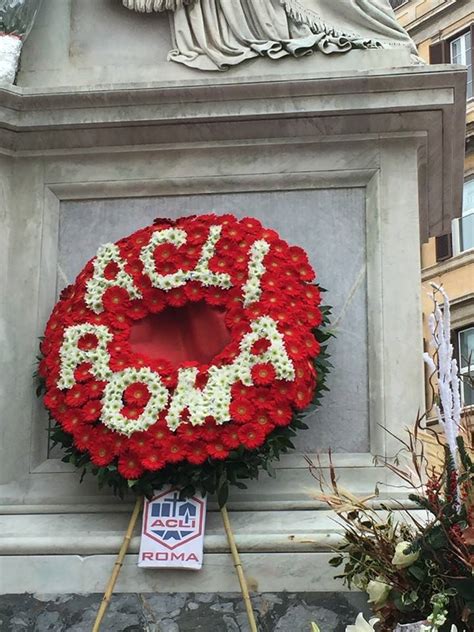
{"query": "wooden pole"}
pixel 118 565
pixel 239 570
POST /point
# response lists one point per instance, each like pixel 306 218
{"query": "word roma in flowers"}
pixel 145 413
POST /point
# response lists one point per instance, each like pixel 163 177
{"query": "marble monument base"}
pixel 358 168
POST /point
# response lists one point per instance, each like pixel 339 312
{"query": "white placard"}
pixel 173 531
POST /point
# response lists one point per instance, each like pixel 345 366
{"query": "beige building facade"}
pixel 444 33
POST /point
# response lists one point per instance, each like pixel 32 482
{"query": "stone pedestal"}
pixel 355 165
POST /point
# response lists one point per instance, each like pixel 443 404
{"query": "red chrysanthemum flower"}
pixel 312 294
pixel 295 349
pixel 305 371
pixel 136 394
pixel 188 433
pixel 177 297
pixel 83 372
pixel 313 316
pixel 53 399
pixel 165 252
pixel 251 436
pixel 283 388
pixel 230 436
pixel 270 235
pixel 241 257
pixel 160 433
pixel 119 362
pixel 87 342
pixel 71 419
pixel 260 346
pixel 155 300
pixel 238 389
pixel 129 465
pixel 217 450
pixel 118 442
pixel 194 291
pixel 217 296
pixel 209 431
pixel 311 345
pixel 111 270
pixel 297 255
pixel 140 442
pixel 262 396
pixel 95 389
pixel 101 452
pixel 77 395
pixel 302 396
pixel 140 238
pixel 119 320
pixel 220 264
pixel 175 450
pixel 116 299
pixel 83 437
pixel 92 410
pixel 153 461
pixel 241 410
pixel 251 224
pixel 281 414
pixel 132 412
pixel 137 310
pixel 197 453
pixel 263 374
pixel 198 234
pixel 134 267
pixel 264 420
pixel 235 316
pixel 233 232
pixel 306 272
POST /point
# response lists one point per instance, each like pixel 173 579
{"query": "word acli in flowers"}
pixel 130 397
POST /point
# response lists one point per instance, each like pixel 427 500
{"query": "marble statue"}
pixel 219 34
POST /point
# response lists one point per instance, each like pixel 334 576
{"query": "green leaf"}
pixel 417 572
pixel 336 561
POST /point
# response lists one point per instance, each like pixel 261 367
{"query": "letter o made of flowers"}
pixel 130 416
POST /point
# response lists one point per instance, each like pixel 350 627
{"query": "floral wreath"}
pixel 141 419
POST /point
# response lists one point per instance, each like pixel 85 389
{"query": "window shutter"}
pixel 444 247
pixel 439 53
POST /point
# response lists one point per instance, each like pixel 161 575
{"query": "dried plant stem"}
pixel 239 570
pixel 118 565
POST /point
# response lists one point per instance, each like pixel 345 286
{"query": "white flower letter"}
pixel 213 400
pixel 201 272
pixel 175 237
pixel 71 356
pixel 96 286
pixel 252 290
pixel 112 400
pixel 264 328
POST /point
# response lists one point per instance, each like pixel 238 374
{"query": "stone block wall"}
pixel 179 612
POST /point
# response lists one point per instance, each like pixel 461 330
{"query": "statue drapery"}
pixel 218 34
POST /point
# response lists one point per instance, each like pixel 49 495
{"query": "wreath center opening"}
pixel 195 332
